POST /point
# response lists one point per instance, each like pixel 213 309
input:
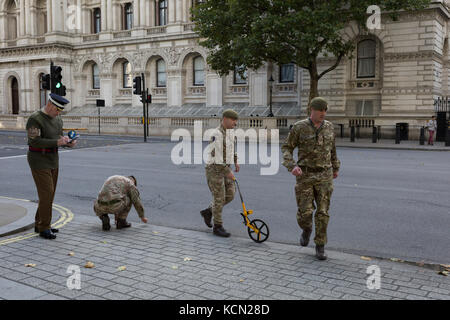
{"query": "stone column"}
pixel 174 88
pixel 214 89
pixel 79 99
pixel 3 26
pixel 49 16
pixel 143 13
pixel 258 87
pixel 56 16
pixel 86 24
pixel 30 21
pixel 172 11
pixel 150 13
pixel 136 11
pixel 116 16
pixel 22 20
pixel 106 89
pixel 179 10
pixel 109 15
pixel 103 14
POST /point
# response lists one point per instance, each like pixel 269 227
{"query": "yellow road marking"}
pixel 66 217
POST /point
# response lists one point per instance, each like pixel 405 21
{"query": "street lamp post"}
pixel 270 97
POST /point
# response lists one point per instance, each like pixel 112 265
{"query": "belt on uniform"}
pixel 310 169
pixel 108 203
pixel 40 150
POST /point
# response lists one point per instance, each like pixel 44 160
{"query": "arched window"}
pixel 287 72
pixel 199 71
pixel 12 15
pixel 43 94
pixel 97 20
pixel 128 16
pixel 162 13
pixel 160 73
pixel 366 59
pixel 95 77
pixel 127 79
pixel 238 79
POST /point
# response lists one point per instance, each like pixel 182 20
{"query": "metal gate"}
pixel 442 109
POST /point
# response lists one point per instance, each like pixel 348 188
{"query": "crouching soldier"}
pixel 116 197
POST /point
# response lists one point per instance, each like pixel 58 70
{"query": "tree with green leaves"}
pixel 247 33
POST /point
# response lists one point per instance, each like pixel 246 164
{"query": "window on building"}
pixel 97 21
pixel 199 71
pixel 95 77
pixel 366 59
pixel 128 16
pixel 162 13
pixel 160 73
pixel 43 94
pixel 238 79
pixel 127 79
pixel 287 72
pixel 364 108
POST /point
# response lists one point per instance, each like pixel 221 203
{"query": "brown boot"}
pixel 218 230
pixel 320 252
pixel 122 223
pixel 304 240
pixel 207 216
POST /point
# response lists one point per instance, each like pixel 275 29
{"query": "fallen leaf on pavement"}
pixel 71 254
pixel 366 258
pixel 444 273
pixel 187 259
pixel 104 242
pixel 30 265
pixel 396 260
pixel 89 265
pixel 122 268
pixel 446 266
pixel 155 232
pixel 241 280
pixel 174 267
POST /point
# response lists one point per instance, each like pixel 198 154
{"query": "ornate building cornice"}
pixel 45 49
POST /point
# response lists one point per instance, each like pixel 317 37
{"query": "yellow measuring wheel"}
pixel 257 229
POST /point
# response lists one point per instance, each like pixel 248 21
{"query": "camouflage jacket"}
pixel 227 141
pixel 316 146
pixel 117 188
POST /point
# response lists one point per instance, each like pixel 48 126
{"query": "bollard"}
pixel 422 136
pixel 397 134
pixel 342 130
pixel 374 134
pixel 352 134
pixel 379 132
pixel 358 132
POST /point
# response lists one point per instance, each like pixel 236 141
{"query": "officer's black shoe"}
pixel 52 230
pixel 122 223
pixel 105 222
pixel 218 230
pixel 320 252
pixel 304 240
pixel 47 234
pixel 207 216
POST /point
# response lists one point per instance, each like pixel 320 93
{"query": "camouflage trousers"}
pixel 120 209
pixel 312 195
pixel 222 190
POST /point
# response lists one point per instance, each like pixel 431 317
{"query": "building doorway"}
pixel 15 96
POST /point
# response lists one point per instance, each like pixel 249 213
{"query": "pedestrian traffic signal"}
pixel 137 85
pixel 46 82
pixel 149 98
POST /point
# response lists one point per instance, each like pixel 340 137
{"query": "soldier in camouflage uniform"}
pixel 219 174
pixel 116 197
pixel 315 170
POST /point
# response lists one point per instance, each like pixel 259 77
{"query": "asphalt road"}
pixel 386 203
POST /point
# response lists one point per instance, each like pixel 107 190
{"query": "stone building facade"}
pixel 395 75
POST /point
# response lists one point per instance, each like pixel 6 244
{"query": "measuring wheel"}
pixel 263 231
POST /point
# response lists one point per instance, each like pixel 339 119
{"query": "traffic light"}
pixel 46 82
pixel 149 98
pixel 56 81
pixel 137 85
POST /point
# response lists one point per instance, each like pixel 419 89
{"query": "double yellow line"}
pixel 66 217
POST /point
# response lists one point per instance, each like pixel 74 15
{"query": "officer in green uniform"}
pixel 219 174
pixel 315 169
pixel 45 135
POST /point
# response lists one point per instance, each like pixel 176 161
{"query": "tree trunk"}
pixel 313 85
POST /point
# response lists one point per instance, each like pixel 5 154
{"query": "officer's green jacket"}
pixel 227 148
pixel 316 146
pixel 43 132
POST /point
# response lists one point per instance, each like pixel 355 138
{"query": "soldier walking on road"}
pixel 315 170
pixel 116 196
pixel 219 174
pixel 45 135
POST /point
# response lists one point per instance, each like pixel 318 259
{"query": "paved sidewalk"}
pixel 390 144
pixel 16 215
pixel 167 263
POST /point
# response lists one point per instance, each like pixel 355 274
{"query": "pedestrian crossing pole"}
pixel 143 99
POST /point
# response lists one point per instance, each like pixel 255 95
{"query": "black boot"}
pixel 52 230
pixel 105 222
pixel 320 252
pixel 207 216
pixel 218 230
pixel 122 223
pixel 47 234
pixel 304 240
